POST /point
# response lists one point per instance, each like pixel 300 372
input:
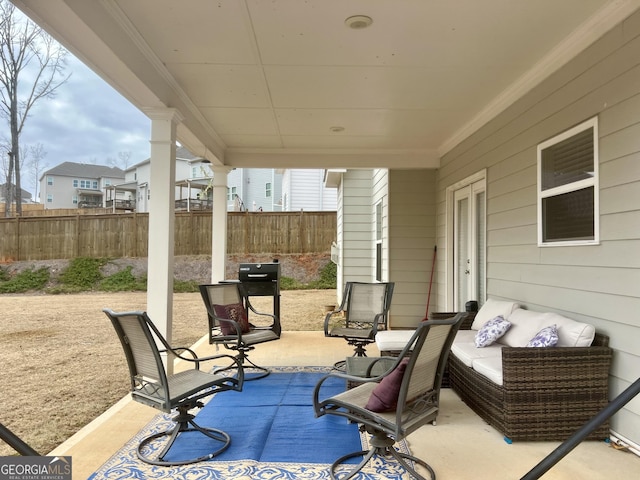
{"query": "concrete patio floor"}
pixel 461 446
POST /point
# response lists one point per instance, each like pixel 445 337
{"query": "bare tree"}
pixel 31 67
pixel 124 159
pixel 33 157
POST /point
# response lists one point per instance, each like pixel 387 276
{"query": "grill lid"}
pixel 259 272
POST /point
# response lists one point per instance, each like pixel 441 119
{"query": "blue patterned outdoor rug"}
pixel 274 435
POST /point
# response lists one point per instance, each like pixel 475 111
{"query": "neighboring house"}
pixel 286 190
pixel 193 175
pixel 25 196
pixel 248 189
pixel 77 185
pixel 254 190
pixel 304 189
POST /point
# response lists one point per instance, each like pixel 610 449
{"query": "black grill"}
pixel 259 272
pixel 261 280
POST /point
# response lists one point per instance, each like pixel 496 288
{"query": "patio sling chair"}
pixel 363 311
pixel 227 313
pixel 393 405
pixel 144 347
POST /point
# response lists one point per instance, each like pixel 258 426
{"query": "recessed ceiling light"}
pixel 358 21
pixel 336 129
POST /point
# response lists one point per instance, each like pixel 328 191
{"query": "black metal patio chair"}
pixel 144 347
pixel 393 405
pixel 227 313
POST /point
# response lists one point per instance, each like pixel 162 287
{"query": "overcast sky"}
pixel 86 122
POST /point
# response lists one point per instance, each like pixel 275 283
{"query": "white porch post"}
pixel 162 218
pixel 219 225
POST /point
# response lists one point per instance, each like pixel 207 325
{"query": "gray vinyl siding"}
pixel 412 229
pixel 303 189
pixel 306 191
pixel 598 284
pixel 357 226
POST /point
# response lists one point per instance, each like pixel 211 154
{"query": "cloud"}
pixel 87 122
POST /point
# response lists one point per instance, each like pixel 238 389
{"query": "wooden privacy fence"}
pixel 126 234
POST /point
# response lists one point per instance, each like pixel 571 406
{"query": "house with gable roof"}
pixel 77 185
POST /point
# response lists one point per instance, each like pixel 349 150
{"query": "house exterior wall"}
pixel 58 194
pixel 355 220
pixel 303 189
pixel 598 284
pixel 340 236
pixel 62 192
pixel 380 194
pixel 411 242
pixel 250 185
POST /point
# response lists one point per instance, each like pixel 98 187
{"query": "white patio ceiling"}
pixel 286 83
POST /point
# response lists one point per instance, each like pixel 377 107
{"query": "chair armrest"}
pixel 194 357
pixel 327 320
pixel 344 376
pixel 264 314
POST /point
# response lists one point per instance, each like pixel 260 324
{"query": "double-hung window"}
pixel 568 187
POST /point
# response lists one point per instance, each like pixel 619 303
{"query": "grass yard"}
pixel 62 364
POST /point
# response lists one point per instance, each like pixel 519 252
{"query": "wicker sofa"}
pixel 543 393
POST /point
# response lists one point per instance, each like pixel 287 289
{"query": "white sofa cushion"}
pixel 467 352
pixel 571 333
pixel 525 324
pixel 491 309
pixel 490 367
pixel 393 340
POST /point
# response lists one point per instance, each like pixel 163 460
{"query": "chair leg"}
pixel 360 351
pixel 184 423
pixel 382 446
pixel 243 358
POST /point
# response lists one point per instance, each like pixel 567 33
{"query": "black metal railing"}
pixel 193 204
pixel 16 442
pixel 121 204
pixel 572 442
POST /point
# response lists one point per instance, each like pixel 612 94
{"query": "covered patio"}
pixel 424 108
pixel 460 446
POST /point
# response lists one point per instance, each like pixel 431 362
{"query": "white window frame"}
pixel 378 241
pixel 267 190
pixel 571 187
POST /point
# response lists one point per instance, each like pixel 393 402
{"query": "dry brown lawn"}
pixel 62 364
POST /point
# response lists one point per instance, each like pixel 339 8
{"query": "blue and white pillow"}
pixel 547 337
pixel 491 331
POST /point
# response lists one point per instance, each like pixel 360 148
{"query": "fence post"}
pixel 77 245
pixel 18 253
pixel 304 245
pixel 134 227
pixel 246 233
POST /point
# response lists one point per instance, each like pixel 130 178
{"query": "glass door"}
pixel 469 244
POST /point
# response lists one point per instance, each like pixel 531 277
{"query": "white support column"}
pixel 219 225
pixel 162 218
